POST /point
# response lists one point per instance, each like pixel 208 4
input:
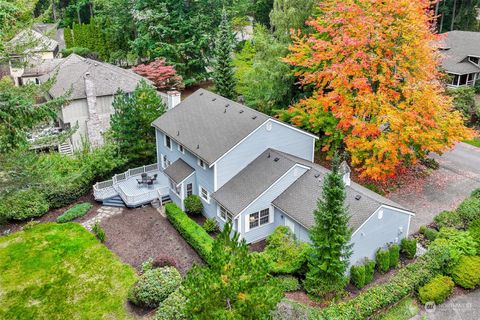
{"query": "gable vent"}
pixel 276 159
pixel 358 197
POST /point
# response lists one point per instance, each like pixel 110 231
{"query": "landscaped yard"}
pixel 60 271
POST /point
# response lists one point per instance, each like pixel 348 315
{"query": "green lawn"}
pixel 61 271
pixel 404 310
pixel 475 142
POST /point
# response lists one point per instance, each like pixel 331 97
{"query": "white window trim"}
pixel 179 146
pixel 247 219
pixel 226 214
pixel 186 188
pixel 201 194
pixel 175 189
pixel 199 161
pixel 165 142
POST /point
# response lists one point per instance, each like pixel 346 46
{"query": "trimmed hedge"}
pixel 437 290
pixel 193 204
pixel 403 283
pixel 194 234
pixel 154 286
pixel 467 272
pixel 394 255
pixel 448 219
pixel 74 212
pixel 357 276
pixel 369 270
pixel 382 258
pixel 469 210
pixel 409 247
pixel 23 204
pixel 429 233
pixel 173 308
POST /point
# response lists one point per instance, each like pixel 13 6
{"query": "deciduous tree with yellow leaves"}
pixel 373 68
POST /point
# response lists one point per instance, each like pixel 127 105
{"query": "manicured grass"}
pixel 60 271
pixel 404 310
pixel 475 142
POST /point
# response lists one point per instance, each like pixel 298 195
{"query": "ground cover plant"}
pixel 74 212
pixel 45 268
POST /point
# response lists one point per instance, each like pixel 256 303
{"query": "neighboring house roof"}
pixel 209 125
pixel 107 78
pixel 27 38
pixel 179 171
pixel 37 67
pixel 252 181
pixel 299 200
pixel 456 47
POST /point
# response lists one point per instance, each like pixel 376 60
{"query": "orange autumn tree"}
pixel 373 68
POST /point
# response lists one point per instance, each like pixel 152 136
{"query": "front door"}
pixel 289 223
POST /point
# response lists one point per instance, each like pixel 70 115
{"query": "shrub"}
pixel 23 204
pixel 458 243
pixel 474 231
pixel 193 204
pixel 147 265
pixel 172 308
pixel 409 247
pixel 74 212
pixel 448 219
pixel 382 258
pixel 284 253
pixel 369 270
pixel 401 284
pixel 429 233
pixel 164 261
pixel 475 193
pixel 154 286
pixel 469 210
pixel 194 234
pixel 357 276
pixel 437 290
pixel 210 225
pixel 466 273
pixel 288 283
pixel 394 255
pixel 98 232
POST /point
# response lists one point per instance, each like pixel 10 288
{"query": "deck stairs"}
pixel 114 202
pixel 65 148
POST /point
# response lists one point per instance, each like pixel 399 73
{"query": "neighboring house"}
pixel 90 87
pixel 255 171
pixel 461 57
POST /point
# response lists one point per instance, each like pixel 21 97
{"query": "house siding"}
pixel 280 137
pixel 203 177
pixel 265 201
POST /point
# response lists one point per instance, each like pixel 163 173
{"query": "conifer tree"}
pixel 330 236
pixel 67 35
pixel 223 75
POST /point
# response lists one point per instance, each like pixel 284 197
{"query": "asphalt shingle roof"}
pixel 299 200
pixel 209 125
pixel 26 38
pixel 252 181
pixel 457 45
pixel 178 171
pixel 108 79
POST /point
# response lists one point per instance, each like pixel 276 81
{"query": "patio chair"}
pixel 140 182
pixel 144 177
pixel 150 184
pixel 154 178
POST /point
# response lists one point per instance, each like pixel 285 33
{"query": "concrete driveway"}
pixel 445 188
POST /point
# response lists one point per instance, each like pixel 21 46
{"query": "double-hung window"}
pixel 189 189
pixel 201 163
pixel 168 142
pixel 259 218
pixel 225 214
pixel 204 194
pixel 175 188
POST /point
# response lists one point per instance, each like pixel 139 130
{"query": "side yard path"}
pixel 102 214
pixel 136 235
pixel 445 188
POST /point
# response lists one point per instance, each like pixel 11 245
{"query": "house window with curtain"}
pixel 259 218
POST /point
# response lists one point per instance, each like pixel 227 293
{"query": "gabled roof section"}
pixel 107 78
pixel 25 39
pixel 455 47
pixel 300 199
pixel 37 67
pixel 209 125
pixel 252 181
pixel 179 171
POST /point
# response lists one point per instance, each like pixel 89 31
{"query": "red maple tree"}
pixel 162 75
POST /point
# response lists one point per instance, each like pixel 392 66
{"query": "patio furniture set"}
pixel 147 180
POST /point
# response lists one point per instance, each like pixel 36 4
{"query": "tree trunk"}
pixel 78 15
pixel 54 11
pixel 453 14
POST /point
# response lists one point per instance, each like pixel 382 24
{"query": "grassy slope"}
pixel 60 271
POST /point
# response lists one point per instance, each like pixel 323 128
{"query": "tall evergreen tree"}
pixel 223 75
pixel 131 128
pixel 330 250
pixel 67 35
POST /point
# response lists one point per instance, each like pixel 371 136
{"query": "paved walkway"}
pixel 102 213
pixel 461 307
pixel 445 188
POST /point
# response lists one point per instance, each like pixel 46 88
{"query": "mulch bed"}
pixel 136 235
pixel 257 246
pixel 52 215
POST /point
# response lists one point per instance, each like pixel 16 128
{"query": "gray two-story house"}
pixel 258 172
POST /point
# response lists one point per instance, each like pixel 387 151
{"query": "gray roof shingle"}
pixel 25 39
pixel 178 171
pixel 108 79
pixel 252 181
pixel 299 200
pixel 209 125
pixel 457 45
